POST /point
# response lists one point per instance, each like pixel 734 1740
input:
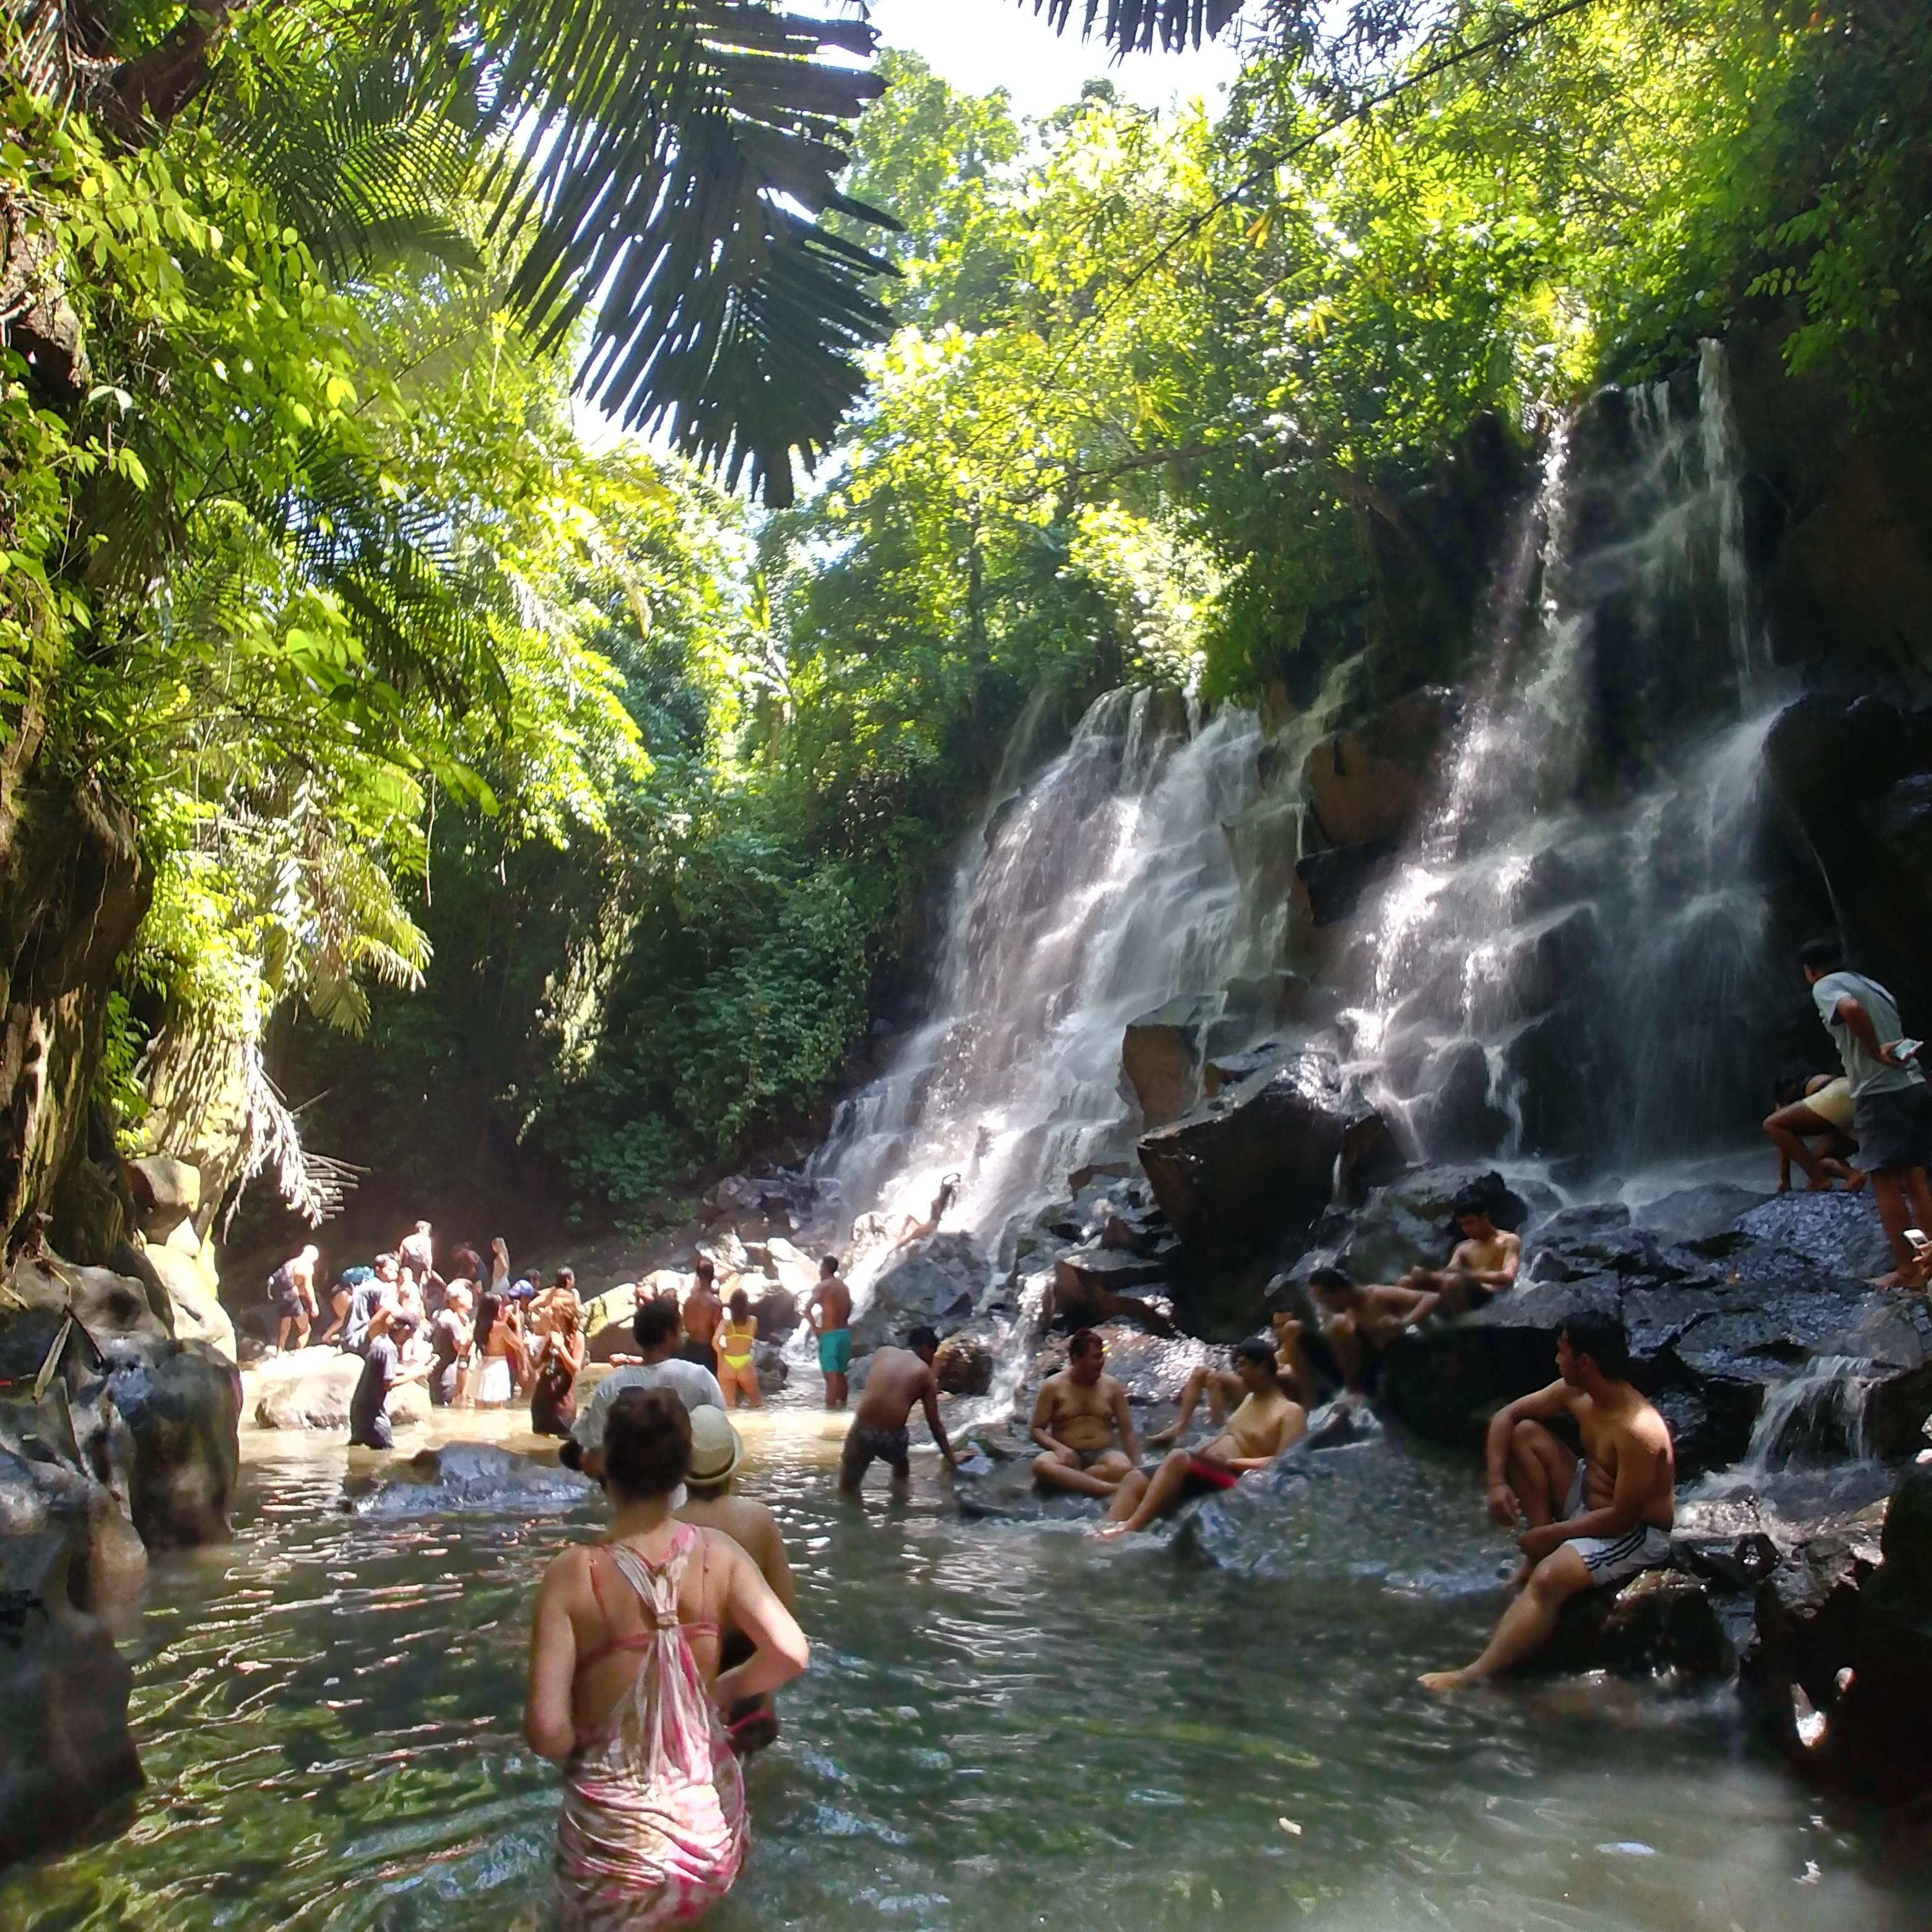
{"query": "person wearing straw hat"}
pixel 717 1452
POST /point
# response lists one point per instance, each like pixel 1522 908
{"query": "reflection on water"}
pixel 1004 1726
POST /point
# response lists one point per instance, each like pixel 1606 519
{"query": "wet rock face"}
pixel 1839 1234
pixel 1661 1620
pixel 64 1749
pixel 1256 1163
pixel 175 1405
pixel 934 1283
pixel 1407 1219
pixel 312 1388
pixel 476 1478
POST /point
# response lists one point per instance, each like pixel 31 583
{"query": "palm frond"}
pixel 1138 26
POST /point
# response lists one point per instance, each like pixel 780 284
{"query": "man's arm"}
pixel 814 1308
pixel 1042 1416
pixel 1553 1400
pixel 1637 1474
pixel 1123 1420
pixel 1858 1023
pixel 928 1396
pixel 1415 1302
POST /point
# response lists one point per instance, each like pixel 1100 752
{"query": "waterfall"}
pixel 1567 957
pixel 1102 887
pixel 1821 1408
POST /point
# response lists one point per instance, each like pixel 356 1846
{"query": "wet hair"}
pixel 1601 1337
pixel 1255 1350
pixel 1821 955
pixel 949 1193
pixel 654 1323
pixel 830 1265
pixel 1473 1199
pixel 740 1304
pixel 1333 1278
pixel 1085 1342
pixel 705 1269
pixel 647 1443
pixel 922 1337
pixel 489 1313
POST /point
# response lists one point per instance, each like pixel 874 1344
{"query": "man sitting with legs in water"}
pixel 1264 1425
pixel 1594 1520
pixel 1223 1388
pixel 897 1378
pixel 1081 1424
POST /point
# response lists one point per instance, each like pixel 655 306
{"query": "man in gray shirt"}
pixel 1891 1106
pixel 656 1328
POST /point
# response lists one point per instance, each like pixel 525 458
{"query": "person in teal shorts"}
pixel 829 1312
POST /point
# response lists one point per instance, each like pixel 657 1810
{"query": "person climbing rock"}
pixel 828 1313
pixel 1810 1107
pixel 1891 1106
pixel 912 1228
pixel 898 1379
pixel 625 1688
pixel 1265 1424
pixel 1082 1424
pixel 1593 1520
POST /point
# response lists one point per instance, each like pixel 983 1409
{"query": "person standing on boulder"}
pixel 1891 1106
pixel 291 1288
pixel 1594 1520
pixel 829 1314
pixel 897 1378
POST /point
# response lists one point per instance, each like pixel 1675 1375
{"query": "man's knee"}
pixel 1561 1575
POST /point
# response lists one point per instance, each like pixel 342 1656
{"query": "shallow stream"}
pixel 1004 1726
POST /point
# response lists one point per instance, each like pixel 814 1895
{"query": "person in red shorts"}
pixel 1266 1422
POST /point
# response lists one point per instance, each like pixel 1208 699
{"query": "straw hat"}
pixel 716 1449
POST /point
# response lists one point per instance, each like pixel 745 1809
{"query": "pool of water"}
pixel 1004 1726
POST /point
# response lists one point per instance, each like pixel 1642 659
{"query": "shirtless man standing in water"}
pixel 897 1378
pixel 702 1312
pixel 829 1314
pixel 1593 1521
pixel 1082 1423
pixel 1264 1425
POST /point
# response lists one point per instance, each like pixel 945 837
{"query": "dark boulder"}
pixel 1660 1622
pixel 1406 1220
pixel 1336 878
pixel 1256 1164
pixel 1838 1234
pixel 1454 1118
pixel 471 1478
pixel 65 1751
pixel 1702 1213
pixel 1161 1055
pixel 934 1283
pixel 776 1313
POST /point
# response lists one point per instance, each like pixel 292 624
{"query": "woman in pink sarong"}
pixel 626 1691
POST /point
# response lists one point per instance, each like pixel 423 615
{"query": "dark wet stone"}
pixel 1702 1213
pixel 1838 1234
pixel 473 1477
pixel 1661 1620
pixel 934 1283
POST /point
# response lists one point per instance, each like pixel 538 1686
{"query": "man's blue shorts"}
pixel 835 1350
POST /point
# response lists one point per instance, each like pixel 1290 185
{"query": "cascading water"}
pixel 1567 957
pixel 1102 888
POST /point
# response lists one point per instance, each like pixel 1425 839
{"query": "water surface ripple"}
pixel 1004 1727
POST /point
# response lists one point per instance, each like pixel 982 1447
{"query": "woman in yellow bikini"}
pixel 736 1341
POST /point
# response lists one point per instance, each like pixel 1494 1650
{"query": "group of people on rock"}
pixel 1869 1122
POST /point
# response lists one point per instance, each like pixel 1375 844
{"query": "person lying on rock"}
pixel 1813 1107
pixel 1224 1390
pixel 1265 1424
pixel 716 1451
pixel 1483 1262
pixel 1594 1520
pixel 898 1379
pixel 912 1228
pixel 1891 1106
pixel 1360 1323
pixel 1082 1423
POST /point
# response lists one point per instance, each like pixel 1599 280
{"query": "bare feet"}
pixel 1442 1681
pixel 1105 1532
pixel 1161 1438
pixel 1859 1178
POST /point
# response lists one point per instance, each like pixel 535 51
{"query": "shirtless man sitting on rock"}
pixel 1081 1423
pixel 1361 1322
pixel 1265 1424
pixel 1594 1520
pixel 1484 1262
pixel 1224 1390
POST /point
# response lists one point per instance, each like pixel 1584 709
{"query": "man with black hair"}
pixel 382 1370
pixel 1081 1424
pixel 1594 1520
pixel 1484 1263
pixel 829 1314
pixel 1360 1322
pixel 897 1378
pixel 656 1328
pixel 1265 1424
pixel 1891 1106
